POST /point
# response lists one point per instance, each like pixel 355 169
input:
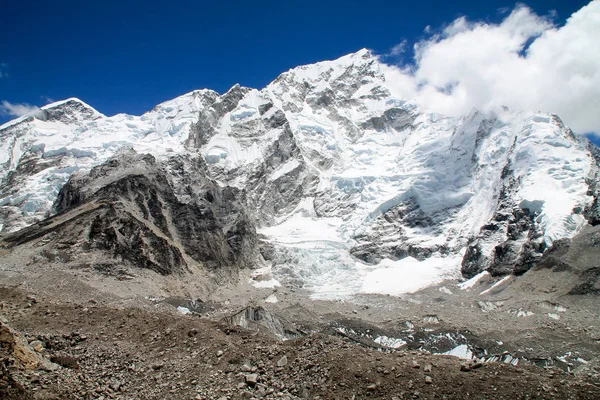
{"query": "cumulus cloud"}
pixel 16 110
pixel 525 62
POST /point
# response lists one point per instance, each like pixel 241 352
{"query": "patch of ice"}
pixel 242 114
pixel 265 284
pixel 444 289
pixel 467 285
pixel 393 343
pixel 554 316
pixel 301 231
pixel 564 357
pixel 508 359
pixel 184 310
pixel 272 299
pixel 489 306
pixel 495 285
pixel 521 313
pixel 461 351
pixel 431 319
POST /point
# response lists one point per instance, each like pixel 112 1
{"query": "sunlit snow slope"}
pixel 355 188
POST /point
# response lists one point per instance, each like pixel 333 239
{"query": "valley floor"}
pixel 106 350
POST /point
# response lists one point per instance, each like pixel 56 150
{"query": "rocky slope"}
pixel 352 185
pixel 134 211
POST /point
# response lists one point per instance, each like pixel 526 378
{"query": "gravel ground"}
pixel 105 352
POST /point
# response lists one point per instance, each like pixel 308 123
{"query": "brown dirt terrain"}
pixel 105 352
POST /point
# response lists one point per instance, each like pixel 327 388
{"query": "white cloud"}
pixel 398 49
pixel 525 62
pixel 3 73
pixel 16 110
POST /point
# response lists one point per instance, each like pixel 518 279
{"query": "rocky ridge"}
pixel 135 211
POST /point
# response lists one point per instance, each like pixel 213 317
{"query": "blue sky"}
pixel 127 56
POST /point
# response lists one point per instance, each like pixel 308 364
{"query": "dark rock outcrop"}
pixel 396 118
pixel 517 253
pixel 272 196
pixel 386 237
pixel 513 226
pixel 70 111
pixel 160 216
pixel 592 213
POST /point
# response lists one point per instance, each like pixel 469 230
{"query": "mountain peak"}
pixel 63 102
pixel 237 89
pixel 352 66
pixel 363 53
pixel 69 111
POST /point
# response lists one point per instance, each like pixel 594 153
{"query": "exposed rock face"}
pixel 273 194
pixel 164 217
pixel 514 226
pixel 70 111
pixel 592 211
pixel 386 238
pixel 24 356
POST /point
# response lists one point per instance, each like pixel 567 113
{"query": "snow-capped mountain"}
pixel 354 187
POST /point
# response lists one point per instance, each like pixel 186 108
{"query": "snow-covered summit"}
pixel 73 102
pixel 70 111
pixel 349 182
pixel 331 69
pixel 188 103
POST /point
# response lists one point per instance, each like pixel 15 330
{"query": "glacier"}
pixel 353 187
